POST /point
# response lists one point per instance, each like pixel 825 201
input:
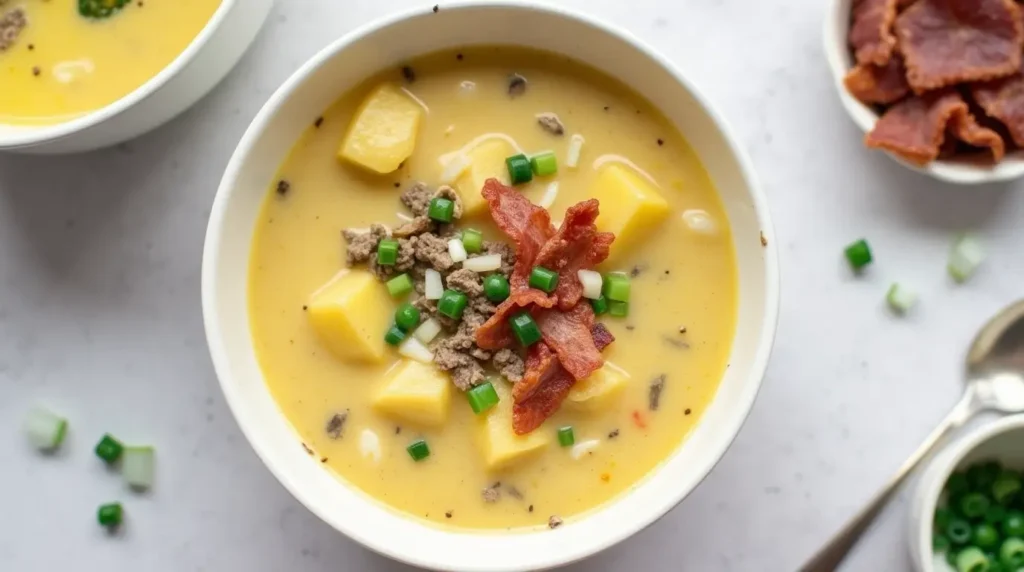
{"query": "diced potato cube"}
pixel 501 446
pixel 415 392
pixel 599 390
pixel 487 161
pixel 630 205
pixel 351 314
pixel 383 132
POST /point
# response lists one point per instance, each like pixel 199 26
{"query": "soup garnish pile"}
pixel 531 301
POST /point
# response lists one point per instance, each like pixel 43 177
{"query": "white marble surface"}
pixel 100 318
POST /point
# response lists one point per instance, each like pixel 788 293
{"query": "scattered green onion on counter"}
pixel 858 254
pixel 418 450
pixel 900 298
pixel 138 466
pixel 45 430
pixel 482 397
pixel 400 285
pixel 519 170
pixel 566 436
pixel 109 449
pixel 110 515
pixel 965 257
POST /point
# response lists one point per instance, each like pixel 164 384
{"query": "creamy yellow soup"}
pixel 682 306
pixel 62 65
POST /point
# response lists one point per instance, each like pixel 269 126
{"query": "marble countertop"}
pixel 100 318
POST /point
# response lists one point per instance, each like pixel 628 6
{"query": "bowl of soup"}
pixel 489 286
pixel 79 75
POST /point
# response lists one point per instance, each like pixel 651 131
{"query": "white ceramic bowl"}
pixel 210 56
pixel 1002 440
pixel 385 44
pixel 840 61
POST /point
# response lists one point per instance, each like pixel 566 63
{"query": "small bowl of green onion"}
pixel 968 511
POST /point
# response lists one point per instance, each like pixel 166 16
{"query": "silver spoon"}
pixel 995 382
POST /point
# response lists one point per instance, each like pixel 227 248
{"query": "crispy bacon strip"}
pixel 576 245
pixel 550 383
pixel 568 334
pixel 528 225
pixel 495 333
pixel 873 84
pixel 871 35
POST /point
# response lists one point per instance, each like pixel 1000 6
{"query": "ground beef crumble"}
pixel 417 198
pixel 11 25
pixel 467 282
pixel 416 226
pixel 509 364
pixel 362 243
pixel 549 122
pixel 433 250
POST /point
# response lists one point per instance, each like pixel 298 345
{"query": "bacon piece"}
pixel 568 334
pixel 528 225
pixel 966 128
pixel 915 128
pixel 873 84
pixel 495 333
pixel 871 34
pixel 946 42
pixel 546 383
pixel 1004 100
pixel 576 245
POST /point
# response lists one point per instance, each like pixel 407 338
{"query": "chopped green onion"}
pixel 566 437
pixel 109 449
pixel 100 9
pixel 616 287
pixel 394 336
pixel 971 559
pixel 452 304
pixel 400 285
pixel 525 329
pixel 965 257
pixel 618 309
pixel 482 397
pixel 407 317
pixel 1011 553
pixel 959 531
pixel 418 450
pixel 544 164
pixel 519 170
pixel 995 514
pixel 901 298
pixel 1014 524
pixel 985 536
pixel 600 305
pixel 940 543
pixel 982 475
pixel 496 288
pixel 942 518
pixel 974 505
pixel 137 466
pixel 387 252
pixel 543 279
pixel 957 484
pixel 858 254
pixel 44 429
pixel 473 240
pixel 1006 488
pixel 110 515
pixel 441 209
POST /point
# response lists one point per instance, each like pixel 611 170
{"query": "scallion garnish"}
pixel 109 449
pixel 858 254
pixel 566 436
pixel 482 397
pixel 418 450
pixel 45 430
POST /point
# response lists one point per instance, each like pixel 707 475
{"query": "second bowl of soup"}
pixel 471 284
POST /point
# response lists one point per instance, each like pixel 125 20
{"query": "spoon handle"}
pixel 833 553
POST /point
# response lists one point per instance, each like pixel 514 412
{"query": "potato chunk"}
pixel 487 161
pixel 383 132
pixel 501 446
pixel 415 392
pixel 351 314
pixel 599 390
pixel 630 206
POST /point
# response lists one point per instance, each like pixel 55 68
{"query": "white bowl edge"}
pixel 193 73
pixel 840 61
pixel 967 449
pixel 232 221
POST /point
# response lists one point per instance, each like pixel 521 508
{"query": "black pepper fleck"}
pixel 661 142
pixel 682 329
pixel 531 508
pixel 686 411
pixel 308 450
pixel 398 185
pixel 606 108
pixel 31 47
pixel 36 71
pixel 448 514
pixel 304 308
pixel 436 8
pixel 283 187
pixel 458 57
pixel 323 459
pixel 409 74
pixel 319 121
pixel 398 430
pixel 613 434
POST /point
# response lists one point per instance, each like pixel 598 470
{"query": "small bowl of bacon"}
pixel 937 84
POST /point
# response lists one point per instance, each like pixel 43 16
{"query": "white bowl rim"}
pixel 32 135
pixel 235 399
pixel 840 61
pixel 939 471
